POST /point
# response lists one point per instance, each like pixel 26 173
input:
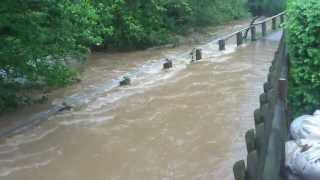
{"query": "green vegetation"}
pixel 266 7
pixel 38 36
pixel 303 28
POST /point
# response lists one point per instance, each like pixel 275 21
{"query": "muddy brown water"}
pixel 187 123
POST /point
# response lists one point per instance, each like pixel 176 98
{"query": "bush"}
pixel 303 28
pixel 35 36
pixel 266 7
pixel 140 23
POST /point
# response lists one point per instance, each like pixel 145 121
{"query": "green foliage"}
pixel 143 23
pixel 303 28
pixel 267 7
pixel 36 36
pixel 272 7
pixel 215 12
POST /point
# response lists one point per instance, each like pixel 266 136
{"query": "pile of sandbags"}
pixel 303 152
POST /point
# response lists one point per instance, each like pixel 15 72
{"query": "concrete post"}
pixel 253 33
pixel 239 38
pixel 222 44
pixel 264 28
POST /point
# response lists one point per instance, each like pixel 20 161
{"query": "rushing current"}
pixel 186 123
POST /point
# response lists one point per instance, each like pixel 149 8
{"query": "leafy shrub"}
pixel 272 7
pixel 266 7
pixel 33 30
pixel 208 12
pixel 303 28
pixel 141 23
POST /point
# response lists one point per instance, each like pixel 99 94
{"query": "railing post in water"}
pixel 222 44
pixel 193 55
pixel 253 33
pixel 239 38
pixel 274 23
pixel 264 28
pixel 168 64
pixel 198 54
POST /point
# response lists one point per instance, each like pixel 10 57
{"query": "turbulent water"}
pixel 179 124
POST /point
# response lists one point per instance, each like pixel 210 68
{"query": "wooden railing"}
pixel 240 36
pixel 266 143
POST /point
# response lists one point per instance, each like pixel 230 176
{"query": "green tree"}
pixel 35 37
pixel 303 28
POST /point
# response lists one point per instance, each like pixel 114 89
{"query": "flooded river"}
pixel 187 123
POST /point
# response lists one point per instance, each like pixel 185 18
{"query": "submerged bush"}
pixel 303 28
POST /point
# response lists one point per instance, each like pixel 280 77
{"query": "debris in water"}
pixel 196 54
pixel 64 107
pixel 167 64
pixel 125 81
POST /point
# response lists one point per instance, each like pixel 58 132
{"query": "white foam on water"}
pixel 28 137
pixel 220 59
pixel 87 121
pixel 27 156
pixel 28 161
pixel 8 171
pixel 147 76
pixel 5 149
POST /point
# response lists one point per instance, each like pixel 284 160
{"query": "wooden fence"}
pixel 266 143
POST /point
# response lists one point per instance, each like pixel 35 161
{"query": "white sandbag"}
pixel 303 159
pixel 306 127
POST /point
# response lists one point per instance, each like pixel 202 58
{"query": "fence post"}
pixel 260 139
pixel 274 23
pixel 283 85
pixel 253 33
pixel 198 54
pixel 266 87
pixel 264 28
pixel 252 166
pixel 282 18
pixel 239 170
pixel 239 38
pixel 257 117
pixel 263 98
pixel 222 44
pixel 250 140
